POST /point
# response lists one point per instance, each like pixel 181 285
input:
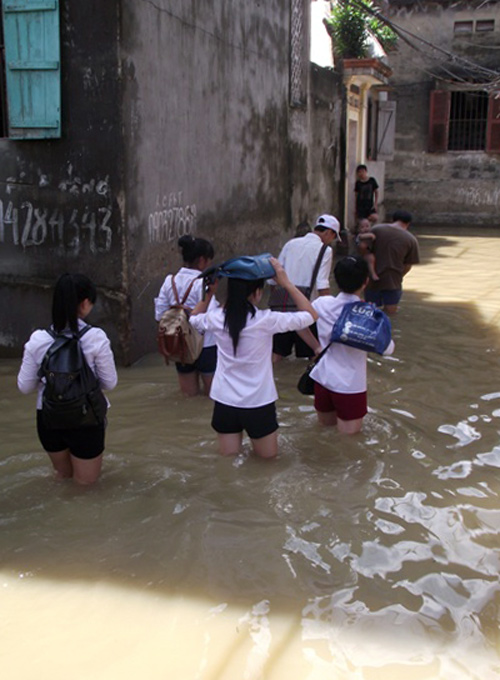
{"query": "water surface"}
pixel 367 558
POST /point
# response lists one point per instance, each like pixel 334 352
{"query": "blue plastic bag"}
pixel 248 267
pixel 363 326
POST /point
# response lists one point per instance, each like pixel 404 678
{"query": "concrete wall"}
pixel 213 148
pixel 315 149
pixel 60 199
pixel 456 187
pixel 176 120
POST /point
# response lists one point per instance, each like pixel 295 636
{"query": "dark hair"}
pixel 238 307
pixel 69 292
pixel 362 166
pixel 402 216
pixel 302 228
pixel 351 273
pixel 193 248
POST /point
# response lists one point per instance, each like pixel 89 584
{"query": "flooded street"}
pixel 374 557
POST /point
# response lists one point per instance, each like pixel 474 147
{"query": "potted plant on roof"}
pixel 353 26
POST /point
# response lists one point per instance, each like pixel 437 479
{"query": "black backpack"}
pixel 72 396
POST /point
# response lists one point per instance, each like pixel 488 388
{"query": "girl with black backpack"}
pixel 73 362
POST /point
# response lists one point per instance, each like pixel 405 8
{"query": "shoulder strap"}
pixel 322 353
pixel 186 294
pixel 174 289
pixel 317 266
pixel 83 331
pixel 181 303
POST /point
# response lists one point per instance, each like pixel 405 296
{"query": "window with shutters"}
pixel 30 73
pixel 381 128
pixel 464 121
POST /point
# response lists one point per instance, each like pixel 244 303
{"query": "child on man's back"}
pixel 365 247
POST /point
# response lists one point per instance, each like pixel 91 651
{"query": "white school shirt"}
pixel 166 297
pixel 246 380
pixel 95 346
pixel 343 368
pixel 298 257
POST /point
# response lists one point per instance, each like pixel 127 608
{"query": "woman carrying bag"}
pixel 243 388
pixel 186 287
pixel 75 451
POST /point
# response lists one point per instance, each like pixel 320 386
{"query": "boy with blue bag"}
pixel 347 328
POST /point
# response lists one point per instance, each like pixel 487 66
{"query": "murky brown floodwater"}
pixel 370 558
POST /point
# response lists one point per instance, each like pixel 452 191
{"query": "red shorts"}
pixel 346 406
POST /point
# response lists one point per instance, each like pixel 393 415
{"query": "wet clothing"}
pixel 83 442
pixel 166 297
pixel 394 248
pixel 382 298
pixel 365 197
pixel 257 422
pixel 342 369
pixel 95 345
pixel 345 406
pixel 245 380
pixel 206 363
pixel 285 343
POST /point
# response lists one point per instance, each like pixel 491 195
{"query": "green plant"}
pixel 350 24
pixel 384 34
pixel 347 27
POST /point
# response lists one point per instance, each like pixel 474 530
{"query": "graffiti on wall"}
pixel 171 219
pixel 479 197
pixel 26 225
pixel 31 223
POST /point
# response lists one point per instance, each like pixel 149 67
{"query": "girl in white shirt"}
pixel 75 453
pixel 243 387
pixel 340 390
pixel 197 255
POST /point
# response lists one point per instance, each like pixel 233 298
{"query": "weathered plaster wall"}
pixel 206 96
pixel 60 200
pixel 315 155
pixel 210 146
pixel 176 119
pixel 439 188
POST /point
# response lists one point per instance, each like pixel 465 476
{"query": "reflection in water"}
pixel 370 558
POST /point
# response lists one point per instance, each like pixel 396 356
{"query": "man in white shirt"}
pixel 298 258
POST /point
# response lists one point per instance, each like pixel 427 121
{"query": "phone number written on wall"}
pixel 73 230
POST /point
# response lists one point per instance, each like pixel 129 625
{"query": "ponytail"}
pixel 69 292
pixel 193 248
pixel 238 307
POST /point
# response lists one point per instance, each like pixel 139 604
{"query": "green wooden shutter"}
pixel 33 68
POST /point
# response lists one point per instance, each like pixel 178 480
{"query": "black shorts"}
pixel 83 442
pixel 283 344
pixel 206 363
pixel 257 422
pixel 364 210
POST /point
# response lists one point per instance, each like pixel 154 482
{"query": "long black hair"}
pixel 69 292
pixel 238 307
pixel 193 248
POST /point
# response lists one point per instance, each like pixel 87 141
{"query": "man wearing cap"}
pixel 395 250
pixel 298 258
